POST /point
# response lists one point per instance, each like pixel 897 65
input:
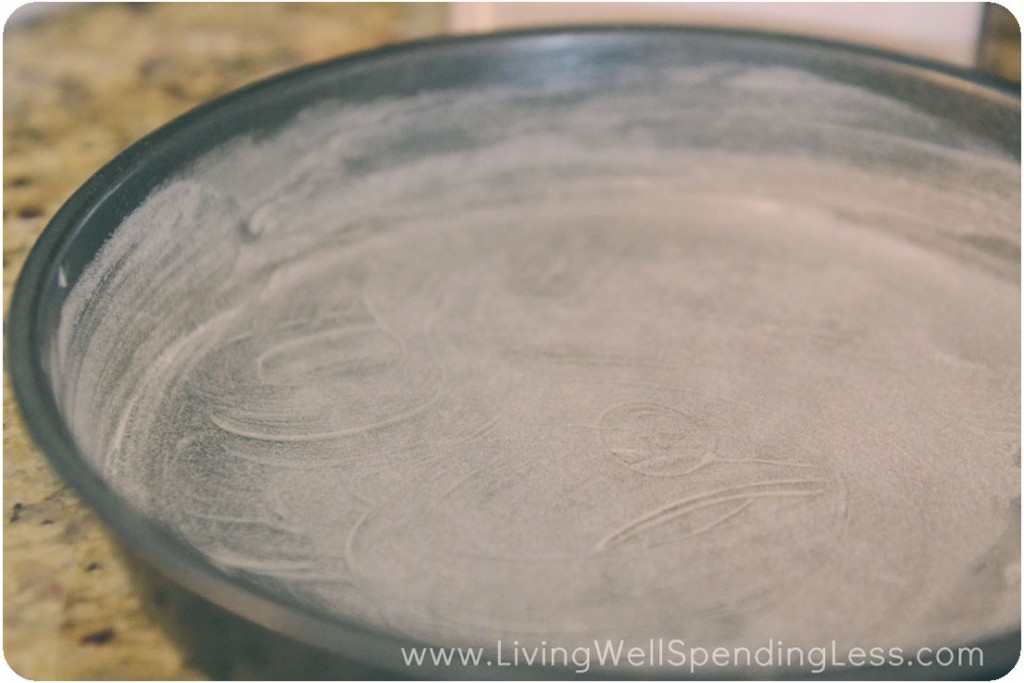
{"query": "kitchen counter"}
pixel 80 86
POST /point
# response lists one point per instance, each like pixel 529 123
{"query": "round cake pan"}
pixel 539 344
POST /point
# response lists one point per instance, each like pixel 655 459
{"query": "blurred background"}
pixel 82 82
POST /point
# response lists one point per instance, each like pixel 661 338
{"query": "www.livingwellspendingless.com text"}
pixel 662 653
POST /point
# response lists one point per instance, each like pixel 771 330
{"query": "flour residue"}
pixel 722 353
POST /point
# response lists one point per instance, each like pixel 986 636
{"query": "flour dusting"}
pixel 723 353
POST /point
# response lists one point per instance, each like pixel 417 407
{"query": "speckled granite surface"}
pixel 78 88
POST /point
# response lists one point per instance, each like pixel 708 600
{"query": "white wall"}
pixel 943 31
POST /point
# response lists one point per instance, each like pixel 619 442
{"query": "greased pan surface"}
pixel 609 335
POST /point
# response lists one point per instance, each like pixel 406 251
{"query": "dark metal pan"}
pixel 654 333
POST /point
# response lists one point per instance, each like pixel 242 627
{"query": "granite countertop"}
pixel 79 86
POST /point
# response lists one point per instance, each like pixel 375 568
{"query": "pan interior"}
pixel 722 353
